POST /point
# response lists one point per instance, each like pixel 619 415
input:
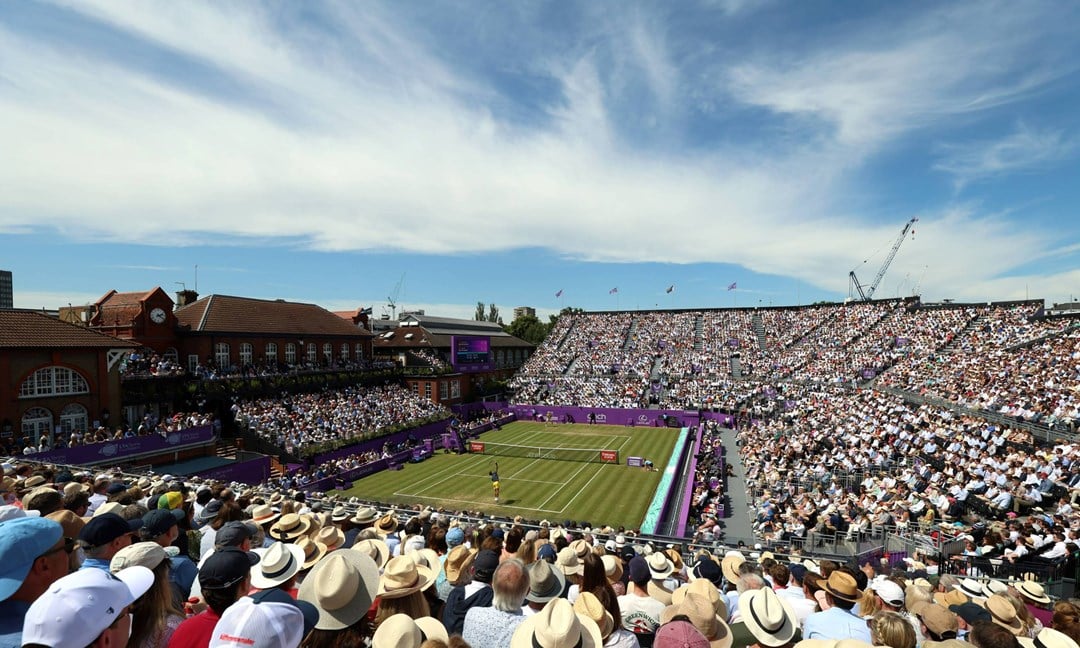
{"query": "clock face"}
pixel 158 316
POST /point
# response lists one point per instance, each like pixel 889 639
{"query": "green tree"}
pixel 529 328
pixel 493 314
pixel 480 310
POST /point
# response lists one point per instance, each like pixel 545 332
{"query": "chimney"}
pixel 185 297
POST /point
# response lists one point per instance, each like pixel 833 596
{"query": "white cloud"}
pixel 1024 149
pixel 391 148
pixel 51 300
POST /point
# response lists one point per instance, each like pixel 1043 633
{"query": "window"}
pixel 427 390
pixel 290 353
pixel 193 362
pixel 359 351
pixel 311 351
pixel 245 354
pixel 328 352
pixel 37 422
pixel 444 390
pixel 455 389
pixel 73 417
pixel 271 353
pixel 53 381
pixel 221 355
pixel 171 355
pixel 344 350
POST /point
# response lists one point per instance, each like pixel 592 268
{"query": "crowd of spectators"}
pixel 100 431
pixel 841 464
pixel 295 420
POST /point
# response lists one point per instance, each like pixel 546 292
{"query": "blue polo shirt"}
pixel 12 614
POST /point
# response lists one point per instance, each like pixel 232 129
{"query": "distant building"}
pixel 522 311
pixel 55 378
pixel 434 368
pixel 7 296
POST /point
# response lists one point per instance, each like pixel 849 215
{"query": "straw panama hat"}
pixel 588 605
pixel 703 588
pixel 342 588
pixel 613 568
pixel 557 626
pixel 545 582
pixel 290 527
pixel 277 563
pixel 843 586
pixel 263 514
pixel 660 566
pixel 568 562
pixel 377 549
pixel 331 537
pixel 402 631
pixel 458 561
pixel 769 618
pixel 702 613
pixel 1003 613
pixel 313 551
pixel 402 576
pixel 1033 591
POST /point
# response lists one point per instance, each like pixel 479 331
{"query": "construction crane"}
pixel 868 294
pixel 392 299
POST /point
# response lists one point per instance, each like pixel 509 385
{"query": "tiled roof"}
pixel 422 337
pixel 227 314
pixel 113 299
pixel 21 329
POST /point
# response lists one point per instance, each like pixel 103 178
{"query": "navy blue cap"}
pixel 226 567
pixel 106 527
pixel 116 488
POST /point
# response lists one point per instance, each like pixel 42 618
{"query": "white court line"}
pixel 559 490
pixel 531 481
pixel 586 486
pixel 475 502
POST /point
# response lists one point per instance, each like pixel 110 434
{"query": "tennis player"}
pixel 495 480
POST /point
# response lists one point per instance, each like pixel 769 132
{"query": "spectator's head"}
pixel 33 555
pixel 842 589
pixel 484 565
pixel 891 629
pixel 557 626
pixel 937 623
pixel 225 576
pixel 270 619
pixel 510 583
pixel 991 635
pixel 89 607
pixel 106 534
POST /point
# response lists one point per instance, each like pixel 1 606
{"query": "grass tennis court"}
pixel 533 487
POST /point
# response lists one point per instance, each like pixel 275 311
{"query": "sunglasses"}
pixel 67 547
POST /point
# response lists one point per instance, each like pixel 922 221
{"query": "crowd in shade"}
pixel 295 420
pixel 146 363
pixel 162 562
pixel 100 431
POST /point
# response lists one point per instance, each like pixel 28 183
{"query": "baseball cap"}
pixel 889 591
pixel 9 512
pixel 233 534
pixel 144 554
pixel 484 565
pixel 103 529
pixel 159 521
pixel 116 488
pixel 22 541
pixel 639 571
pixel 170 500
pixel 275 595
pixel 547 552
pixel 679 634
pixel 226 567
pixel 80 606
pixel 265 623
pixel 454 537
pixel 971 612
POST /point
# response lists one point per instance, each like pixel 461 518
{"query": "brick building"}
pixel 55 376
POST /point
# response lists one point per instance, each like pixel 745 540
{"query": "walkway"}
pixel 737 524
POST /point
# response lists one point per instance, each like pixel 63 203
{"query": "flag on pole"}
pixel 670 288
pixel 613 290
pixel 733 286
pixel 559 294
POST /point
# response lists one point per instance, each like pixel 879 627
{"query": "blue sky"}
pixel 500 152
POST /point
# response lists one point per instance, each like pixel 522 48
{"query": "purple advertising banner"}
pixel 118 451
pixel 252 471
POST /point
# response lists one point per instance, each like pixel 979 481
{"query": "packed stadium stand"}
pixel 926 445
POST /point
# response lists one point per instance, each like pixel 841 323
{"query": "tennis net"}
pixel 596 455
